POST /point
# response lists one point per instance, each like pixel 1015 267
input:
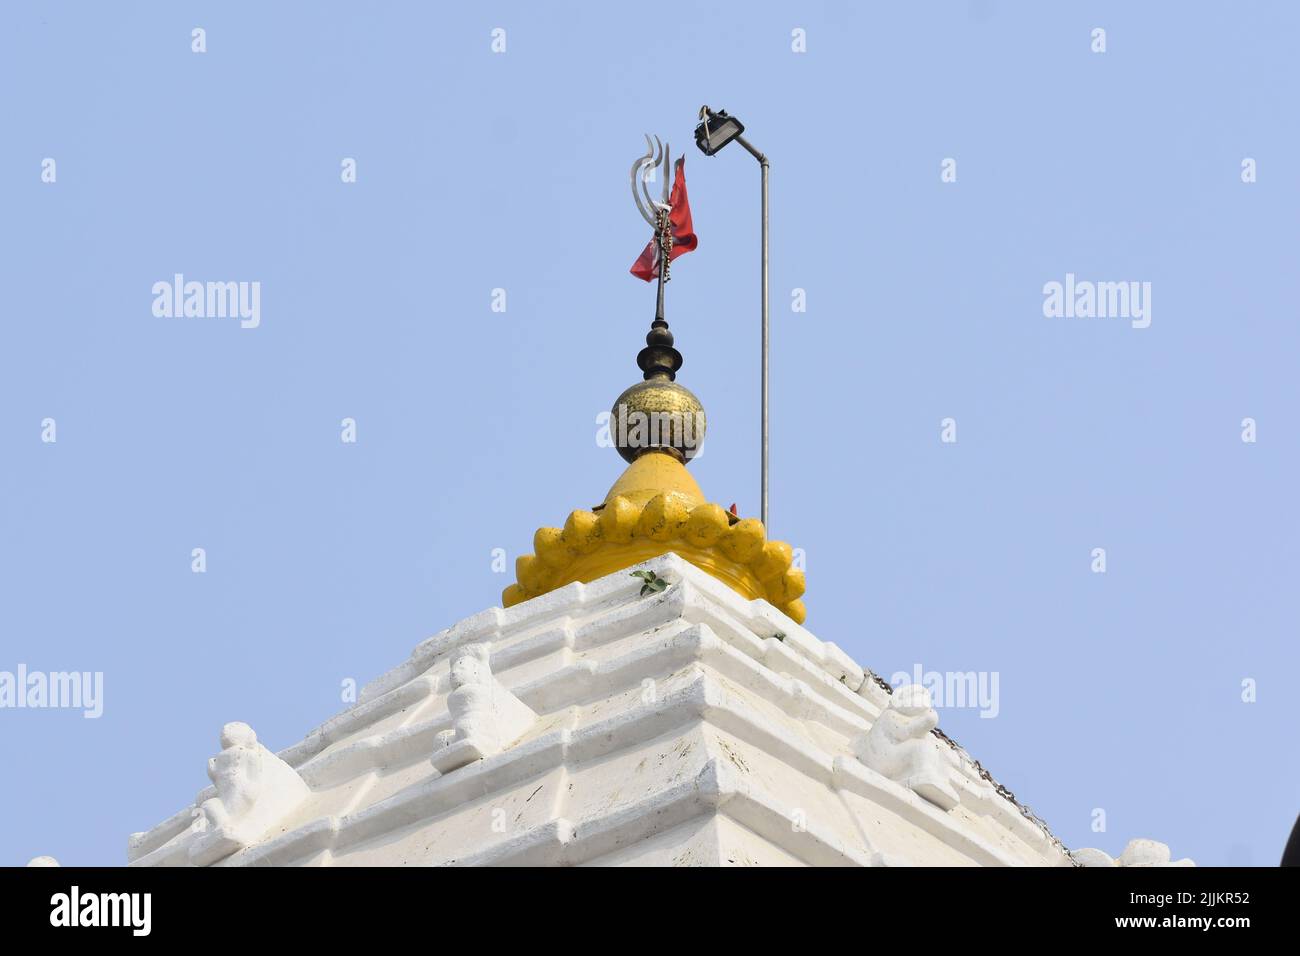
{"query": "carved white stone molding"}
pixel 256 790
pixel 899 745
pixel 486 717
pixel 699 729
pixel 1137 853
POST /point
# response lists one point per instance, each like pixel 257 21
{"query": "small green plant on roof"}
pixel 653 583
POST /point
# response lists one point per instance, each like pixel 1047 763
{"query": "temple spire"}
pixel 658 425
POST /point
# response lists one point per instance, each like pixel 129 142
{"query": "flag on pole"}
pixel 679 219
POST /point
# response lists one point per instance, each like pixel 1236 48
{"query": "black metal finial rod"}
pixel 664 247
pixel 659 358
pixel 663 281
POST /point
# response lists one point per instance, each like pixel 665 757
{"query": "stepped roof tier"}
pixel 597 725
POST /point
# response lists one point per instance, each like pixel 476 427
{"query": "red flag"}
pixel 679 219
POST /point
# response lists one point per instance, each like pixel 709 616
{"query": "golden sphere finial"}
pixel 657 413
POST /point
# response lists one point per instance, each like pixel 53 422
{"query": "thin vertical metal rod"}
pixel 663 225
pixel 764 165
pixel 663 271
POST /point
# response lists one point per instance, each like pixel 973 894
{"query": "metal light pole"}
pixel 715 131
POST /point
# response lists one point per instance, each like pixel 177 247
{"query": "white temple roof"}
pixel 597 725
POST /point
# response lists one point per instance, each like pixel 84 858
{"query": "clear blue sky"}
pixel 326 561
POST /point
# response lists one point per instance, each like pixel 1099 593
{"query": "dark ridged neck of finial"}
pixel 659 359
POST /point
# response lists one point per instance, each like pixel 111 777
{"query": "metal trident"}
pixel 655 212
pixel 657 154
